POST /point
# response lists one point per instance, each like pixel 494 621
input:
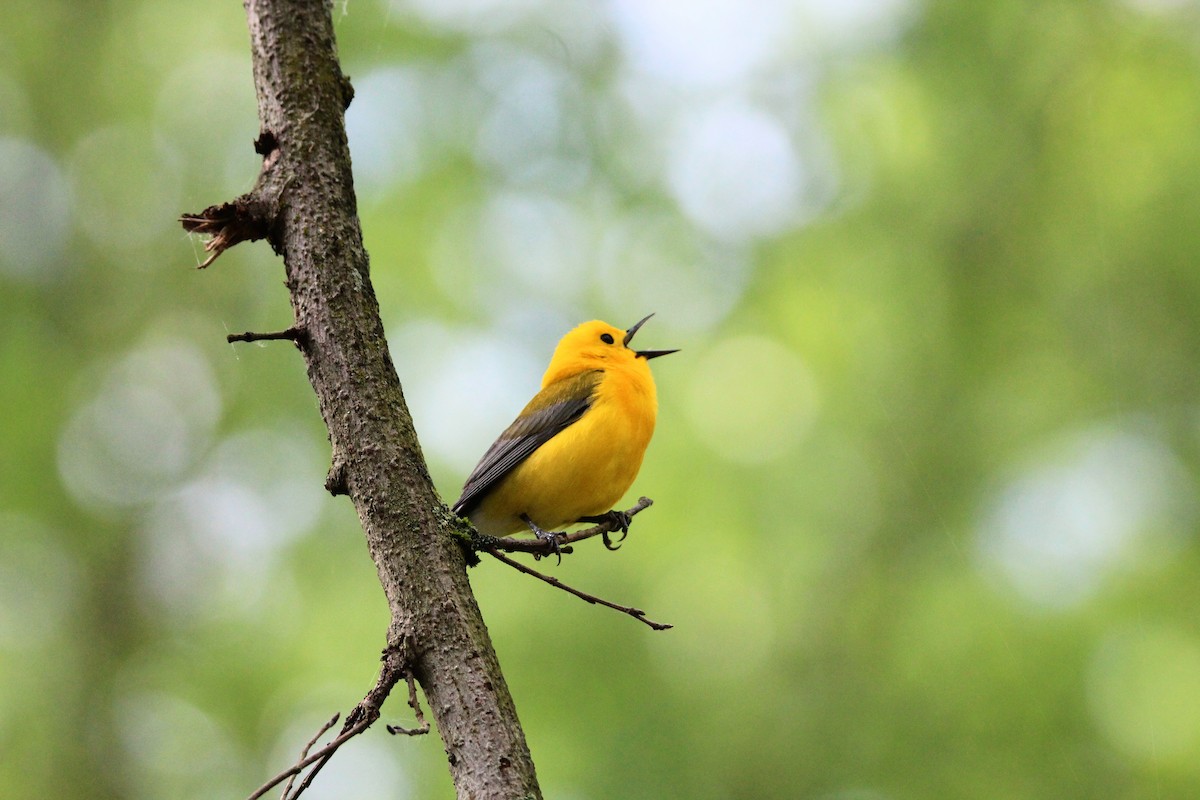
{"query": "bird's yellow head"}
pixel 597 345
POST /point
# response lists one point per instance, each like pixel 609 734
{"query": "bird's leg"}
pixel 617 521
pixel 545 536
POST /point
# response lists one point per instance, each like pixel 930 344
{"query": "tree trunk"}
pixel 304 204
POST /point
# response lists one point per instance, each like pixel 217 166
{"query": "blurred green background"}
pixel 925 472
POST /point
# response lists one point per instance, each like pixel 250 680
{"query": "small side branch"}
pixel 321 755
pixel 636 613
pixel 395 666
pixel 243 220
pixel 293 334
pixel 422 724
pixel 304 753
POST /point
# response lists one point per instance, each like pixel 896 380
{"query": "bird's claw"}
pixel 618 521
pixel 552 540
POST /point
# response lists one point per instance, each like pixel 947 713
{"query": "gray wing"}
pixel 545 416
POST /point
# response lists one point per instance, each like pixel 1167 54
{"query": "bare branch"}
pixel 304 753
pixel 293 334
pixel 395 665
pixel 323 753
pixel 636 613
pixel 422 724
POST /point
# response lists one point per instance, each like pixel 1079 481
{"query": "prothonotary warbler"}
pixel 576 447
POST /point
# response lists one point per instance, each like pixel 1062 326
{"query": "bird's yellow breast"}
pixel 584 469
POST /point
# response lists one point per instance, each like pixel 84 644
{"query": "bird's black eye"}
pixel 606 338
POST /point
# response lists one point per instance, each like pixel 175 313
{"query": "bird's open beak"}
pixel 646 354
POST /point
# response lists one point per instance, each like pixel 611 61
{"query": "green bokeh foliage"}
pixel 1007 266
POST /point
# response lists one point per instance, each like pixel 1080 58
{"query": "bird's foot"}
pixel 550 537
pixel 616 521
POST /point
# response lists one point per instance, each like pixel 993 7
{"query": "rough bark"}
pixel 304 204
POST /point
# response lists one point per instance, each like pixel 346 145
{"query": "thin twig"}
pixel 543 547
pixel 362 716
pixel 422 724
pixel 636 613
pixel 304 753
pixel 292 334
pixel 327 750
pixel 216 251
pixel 308 779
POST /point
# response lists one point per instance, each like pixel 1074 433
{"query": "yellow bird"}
pixel 576 447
